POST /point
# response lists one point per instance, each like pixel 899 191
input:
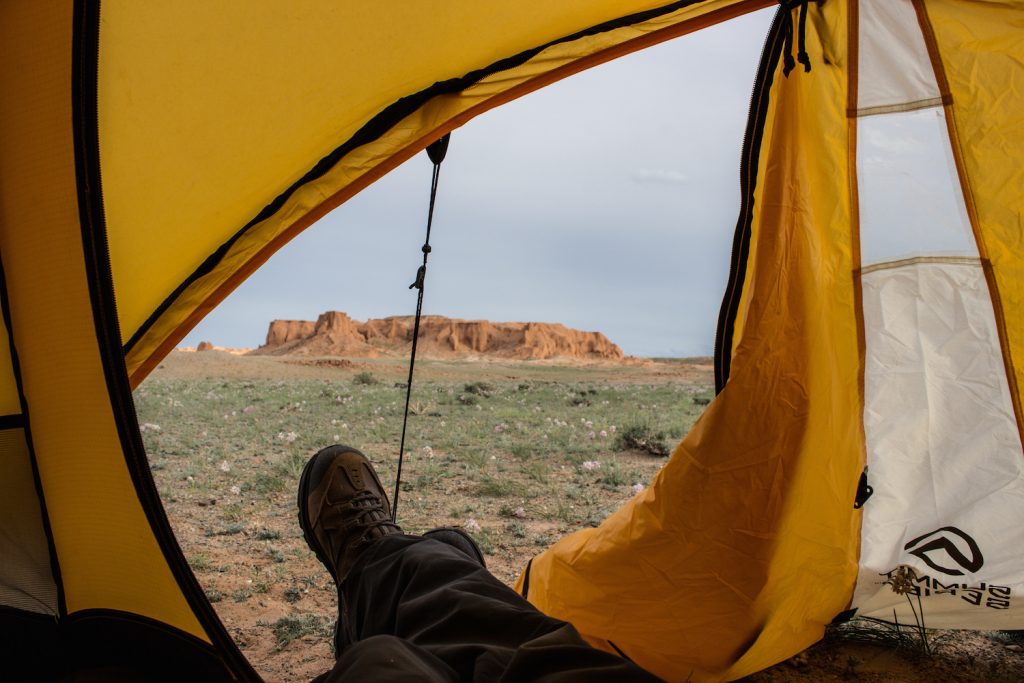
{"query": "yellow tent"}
pixel 152 155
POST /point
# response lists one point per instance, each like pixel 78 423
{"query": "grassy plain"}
pixel 519 454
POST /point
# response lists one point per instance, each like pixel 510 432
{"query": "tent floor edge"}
pixel 102 645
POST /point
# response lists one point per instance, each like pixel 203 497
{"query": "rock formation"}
pixel 336 334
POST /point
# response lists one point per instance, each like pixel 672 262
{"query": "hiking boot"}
pixel 342 507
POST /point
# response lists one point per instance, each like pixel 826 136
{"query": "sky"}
pixel 606 202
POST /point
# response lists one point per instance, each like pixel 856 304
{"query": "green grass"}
pixel 503 450
pixel 364 378
pixel 287 629
pixel 200 562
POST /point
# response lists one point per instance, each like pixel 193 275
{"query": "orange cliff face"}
pixel 336 334
pixel 284 331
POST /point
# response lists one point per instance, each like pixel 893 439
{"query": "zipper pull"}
pixel 864 491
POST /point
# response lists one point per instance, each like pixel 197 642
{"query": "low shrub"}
pixel 642 437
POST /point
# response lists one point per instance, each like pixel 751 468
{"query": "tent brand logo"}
pixel 942 548
pixel 980 595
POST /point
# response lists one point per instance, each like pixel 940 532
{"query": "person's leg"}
pixel 387 658
pixel 440 600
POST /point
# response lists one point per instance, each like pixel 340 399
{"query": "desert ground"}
pixel 518 453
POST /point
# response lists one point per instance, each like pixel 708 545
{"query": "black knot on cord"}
pixel 421 274
pixel 788 63
pixel 426 249
pixel 437 149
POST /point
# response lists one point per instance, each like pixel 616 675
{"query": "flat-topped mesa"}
pixel 336 334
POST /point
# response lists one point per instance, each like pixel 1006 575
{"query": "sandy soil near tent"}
pixel 227 436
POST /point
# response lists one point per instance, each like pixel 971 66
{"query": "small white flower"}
pixel 612 429
pixel 224 466
pixel 472 526
pixel 589 465
pixel 237 490
pixel 590 435
pixel 637 488
pixel 519 512
pixel 443 423
pixel 588 424
pixel 149 427
pixel 603 434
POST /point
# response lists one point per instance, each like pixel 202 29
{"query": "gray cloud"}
pixel 658 176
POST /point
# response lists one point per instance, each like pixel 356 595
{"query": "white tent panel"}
pixel 948 473
pixel 893 64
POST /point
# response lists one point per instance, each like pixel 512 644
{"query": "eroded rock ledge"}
pixel 336 334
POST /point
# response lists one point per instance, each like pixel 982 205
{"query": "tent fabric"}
pixel 152 156
pixel 866 322
pixel 952 464
pixel 745 544
pixel 111 557
pixel 985 119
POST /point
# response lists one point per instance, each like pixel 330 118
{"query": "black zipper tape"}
pixel 85 105
pixel 749 158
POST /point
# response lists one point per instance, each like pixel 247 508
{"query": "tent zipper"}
pixel 750 152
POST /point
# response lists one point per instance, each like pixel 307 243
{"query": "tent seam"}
pixel 55 571
pixel 967 189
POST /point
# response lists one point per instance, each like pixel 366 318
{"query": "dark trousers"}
pixel 417 609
